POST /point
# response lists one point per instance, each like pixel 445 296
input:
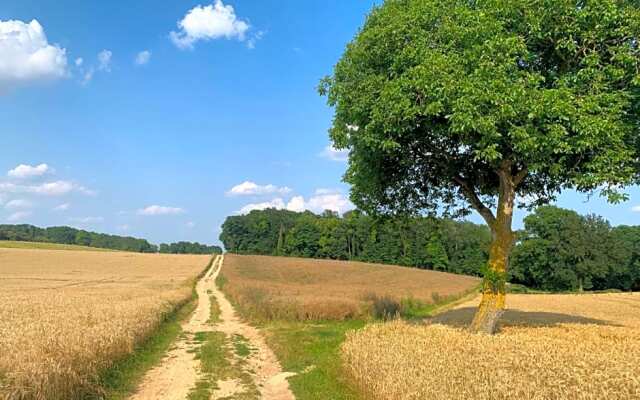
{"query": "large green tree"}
pixel 485 104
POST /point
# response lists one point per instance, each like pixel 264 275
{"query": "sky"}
pixel 158 120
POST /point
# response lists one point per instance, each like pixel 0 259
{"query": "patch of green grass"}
pixel 8 244
pixel 214 315
pixel 215 354
pixel 241 346
pixel 121 379
pixel 312 350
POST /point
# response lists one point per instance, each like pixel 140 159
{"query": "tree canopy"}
pixel 432 98
pixel 485 105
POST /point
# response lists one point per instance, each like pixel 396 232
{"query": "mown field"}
pixel 67 316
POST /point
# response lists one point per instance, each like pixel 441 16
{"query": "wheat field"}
pixel 305 289
pixel 549 347
pixel 67 315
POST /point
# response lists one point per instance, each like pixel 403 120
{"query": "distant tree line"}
pixel 189 248
pixel 557 250
pixel 429 243
pixel 68 235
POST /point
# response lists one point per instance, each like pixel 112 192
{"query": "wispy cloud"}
pixel 24 171
pixel 249 188
pixel 143 57
pixel 18 204
pixel 57 188
pixel 156 210
pixel 18 216
pixel 62 207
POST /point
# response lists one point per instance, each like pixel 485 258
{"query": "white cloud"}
pixel 249 188
pixel 160 210
pixel 57 188
pixel 23 171
pixel 329 201
pixel 333 154
pixel 296 204
pixel 87 220
pixel 124 227
pixel 143 57
pixel 17 204
pixel 104 60
pixel 62 207
pixel 87 77
pixel 26 56
pixel 79 61
pixel 209 22
pixel 323 199
pixel 635 209
pixel 251 43
pixel 18 216
pixel 277 203
pixel 191 224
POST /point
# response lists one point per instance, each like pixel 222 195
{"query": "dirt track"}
pixel 178 372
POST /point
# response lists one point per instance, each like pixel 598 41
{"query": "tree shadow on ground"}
pixel 462 317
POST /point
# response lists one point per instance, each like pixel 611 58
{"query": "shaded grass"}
pixel 122 378
pixel 9 244
pixel 312 351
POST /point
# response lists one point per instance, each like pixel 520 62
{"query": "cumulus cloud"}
pixel 57 188
pixel 296 204
pixel 209 22
pixel 326 199
pixel 333 154
pixel 249 188
pixel 62 207
pixel 143 57
pixel 635 209
pixel 160 210
pixel 24 171
pixel 323 199
pixel 18 216
pixel 104 60
pixel 18 204
pixel 277 203
pixel 26 56
pixel 79 61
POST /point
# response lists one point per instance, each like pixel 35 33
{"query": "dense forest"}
pixel 557 249
pixel 68 235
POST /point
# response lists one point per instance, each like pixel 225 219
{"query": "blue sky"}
pixel 151 132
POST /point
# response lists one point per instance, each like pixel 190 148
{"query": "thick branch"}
pixel 475 201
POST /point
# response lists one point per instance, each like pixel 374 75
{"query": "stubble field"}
pixel 65 316
pixel 549 347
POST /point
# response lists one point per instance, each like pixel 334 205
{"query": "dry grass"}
pixel 67 315
pixel 549 347
pixel 304 289
pixel 9 244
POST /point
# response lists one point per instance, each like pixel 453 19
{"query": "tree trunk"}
pixel 492 305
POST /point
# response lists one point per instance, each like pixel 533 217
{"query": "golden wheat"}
pixel 306 289
pixel 549 347
pixel 67 315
